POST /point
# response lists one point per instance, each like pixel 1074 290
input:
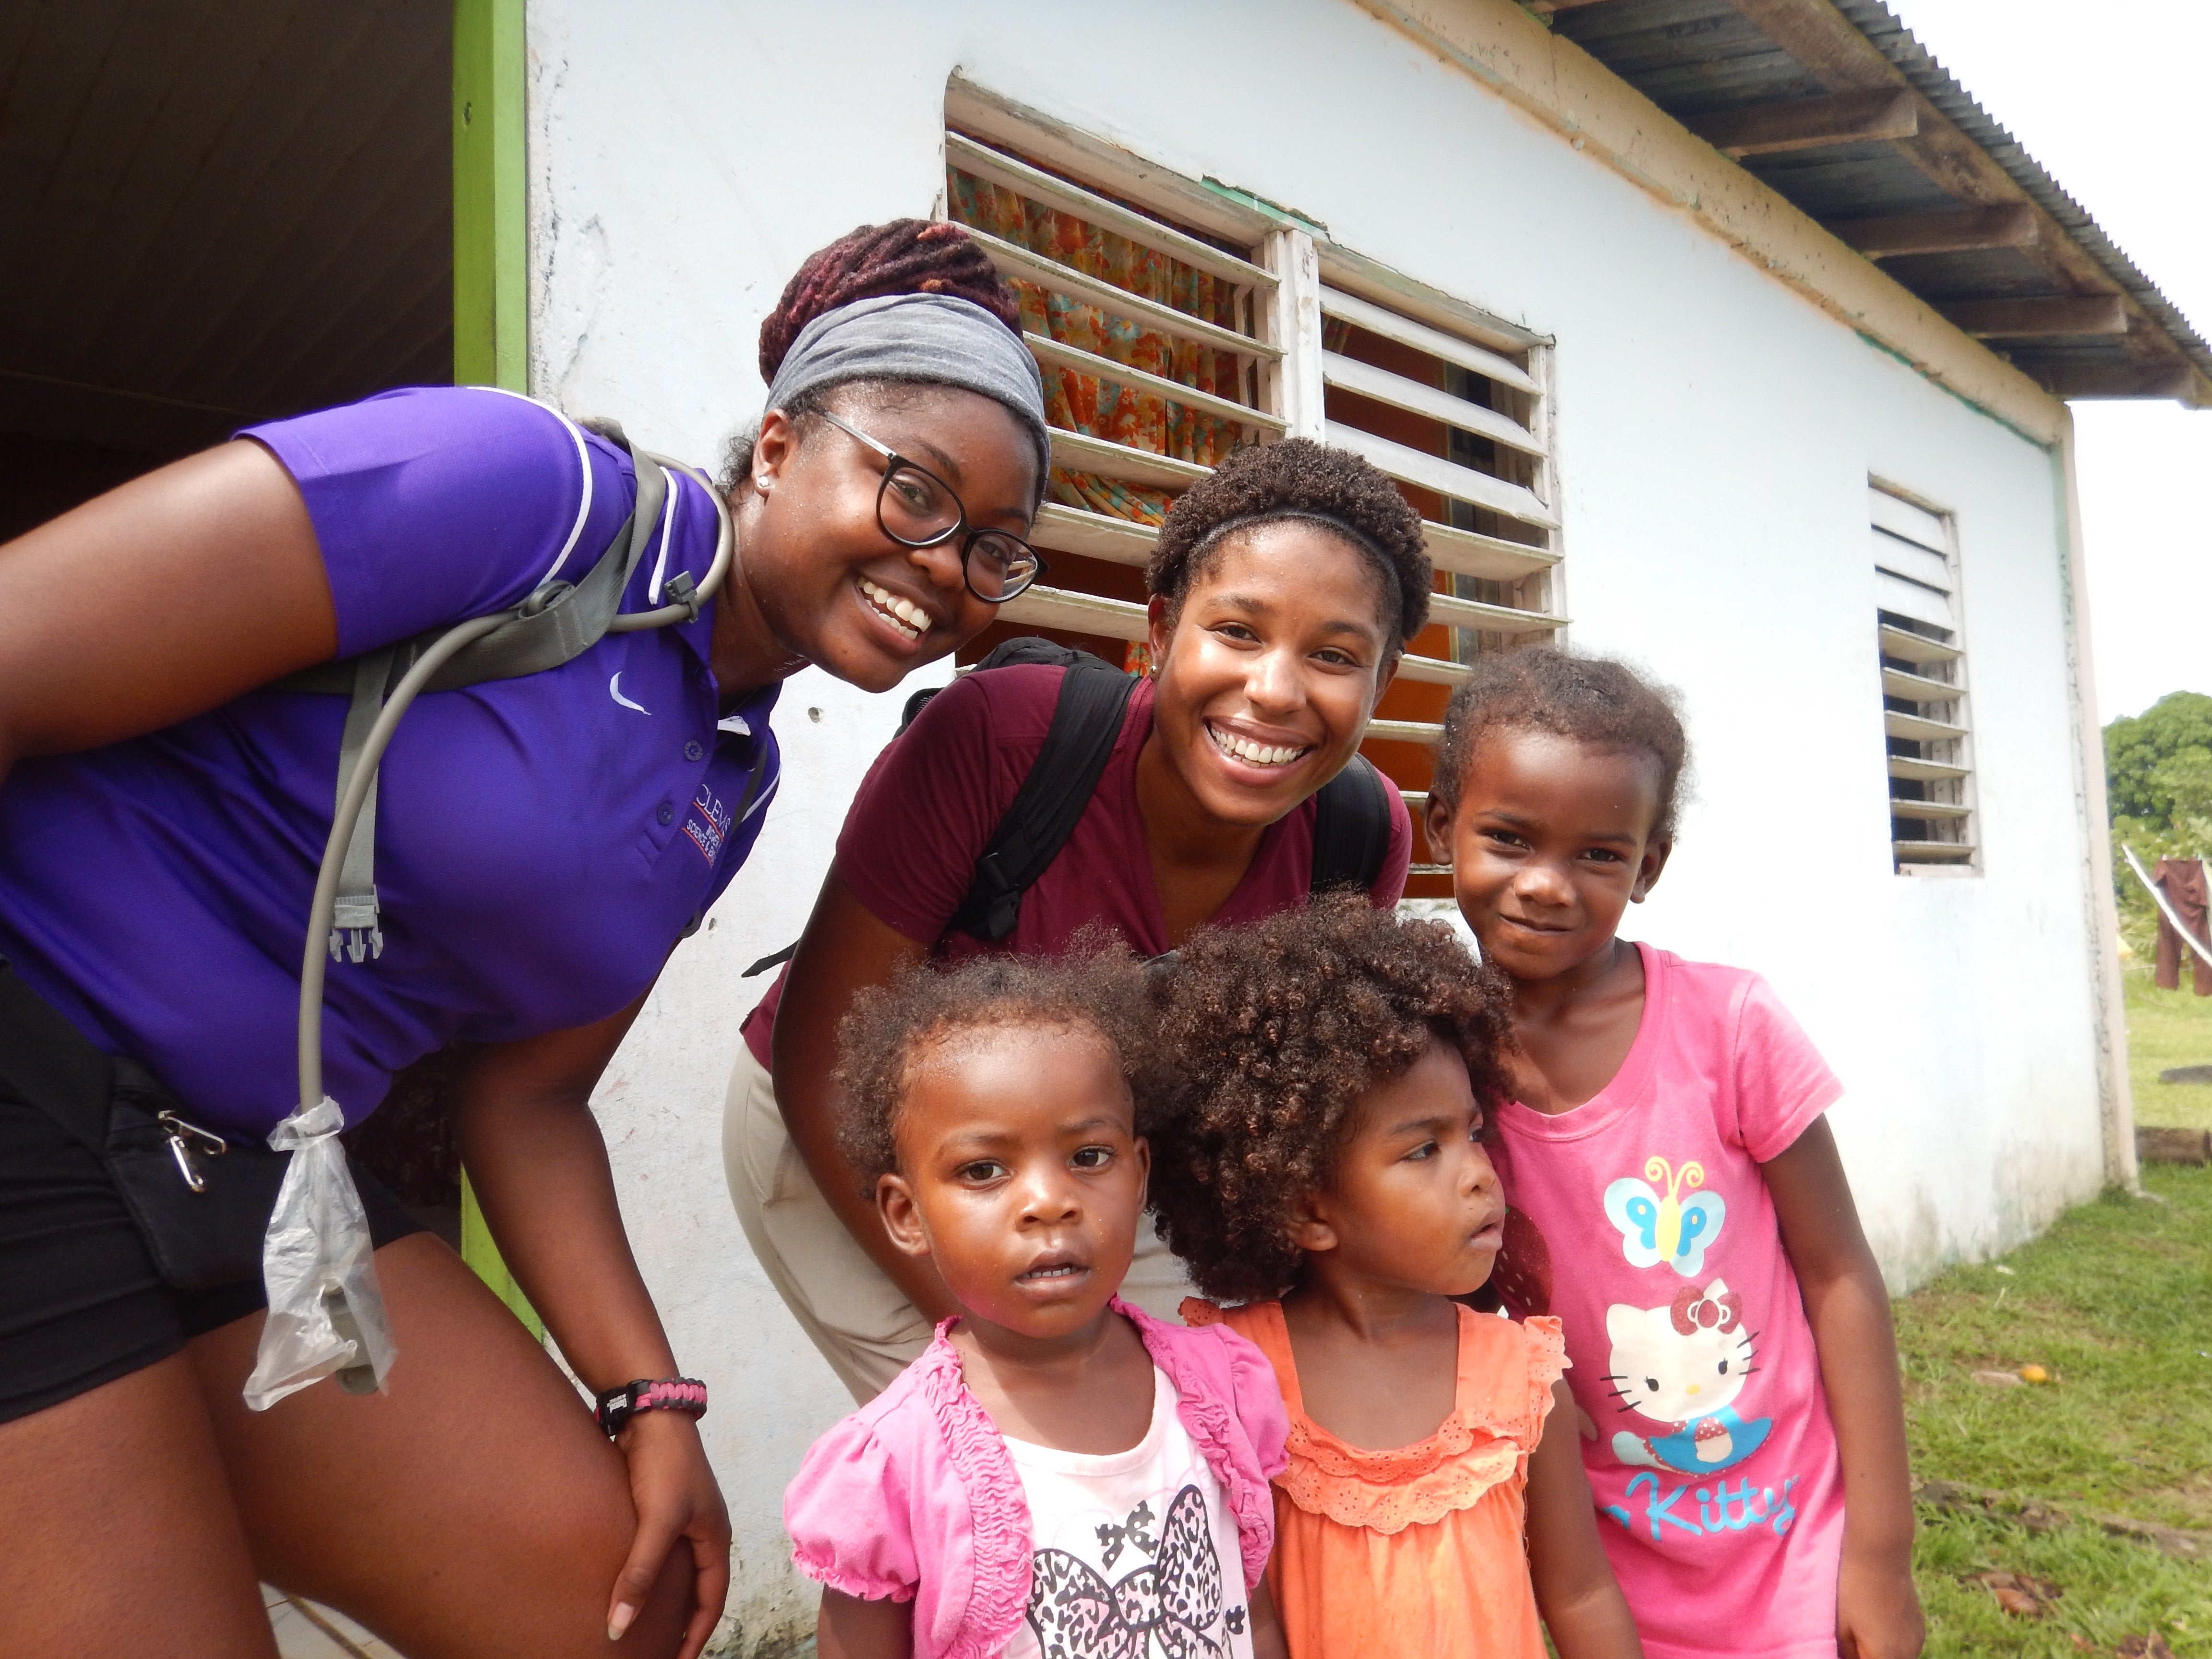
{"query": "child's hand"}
pixel 1877 1609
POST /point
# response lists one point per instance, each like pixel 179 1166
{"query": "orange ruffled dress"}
pixel 1416 1551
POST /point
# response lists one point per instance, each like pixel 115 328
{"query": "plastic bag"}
pixel 326 1312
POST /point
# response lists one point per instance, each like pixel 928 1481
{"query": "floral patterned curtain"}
pixel 1094 406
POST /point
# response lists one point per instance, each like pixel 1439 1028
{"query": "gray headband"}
pixel 1351 532
pixel 1382 563
pixel 930 337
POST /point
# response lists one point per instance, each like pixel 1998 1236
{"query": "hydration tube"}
pixel 725 545
pixel 315 959
pixel 326 1312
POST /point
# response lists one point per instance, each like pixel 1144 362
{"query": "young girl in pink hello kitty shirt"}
pixel 1677 1199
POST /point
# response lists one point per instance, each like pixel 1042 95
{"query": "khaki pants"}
pixel 862 1322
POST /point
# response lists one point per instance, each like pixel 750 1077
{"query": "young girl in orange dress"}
pixel 1333 1073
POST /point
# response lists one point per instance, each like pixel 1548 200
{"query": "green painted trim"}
pixel 1260 204
pixel 491 289
pixel 491 328
pixel 483 1257
pixel 1953 392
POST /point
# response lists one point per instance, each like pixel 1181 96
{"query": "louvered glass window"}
pixel 1170 338
pixel 1147 335
pixel 1453 408
pixel 1923 685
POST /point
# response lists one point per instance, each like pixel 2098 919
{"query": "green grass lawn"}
pixel 2116 1302
pixel 2167 1029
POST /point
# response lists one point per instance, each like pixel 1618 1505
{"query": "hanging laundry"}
pixel 2182 881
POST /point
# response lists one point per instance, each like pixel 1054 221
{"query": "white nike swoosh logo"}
pixel 614 691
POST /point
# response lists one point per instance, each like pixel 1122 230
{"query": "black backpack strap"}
pixel 1094 697
pixel 1352 828
pixel 1044 838
pixel 1023 649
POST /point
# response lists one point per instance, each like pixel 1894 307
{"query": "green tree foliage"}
pixel 2148 755
pixel 2158 775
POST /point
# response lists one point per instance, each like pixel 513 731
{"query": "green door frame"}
pixel 491 296
pixel 491 326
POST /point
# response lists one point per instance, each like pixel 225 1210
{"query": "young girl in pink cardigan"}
pixel 1058 1473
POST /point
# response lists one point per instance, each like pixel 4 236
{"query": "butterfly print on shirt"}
pixel 1169 1606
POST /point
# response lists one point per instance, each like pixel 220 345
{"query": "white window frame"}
pixel 1297 279
pixel 1930 675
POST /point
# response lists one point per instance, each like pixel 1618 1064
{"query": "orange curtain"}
pixel 1095 405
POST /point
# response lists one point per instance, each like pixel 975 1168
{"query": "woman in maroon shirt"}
pixel 1284 589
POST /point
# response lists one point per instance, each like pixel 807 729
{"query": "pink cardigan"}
pixel 913 1496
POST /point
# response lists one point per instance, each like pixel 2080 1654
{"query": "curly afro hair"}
pixel 1294 479
pixel 1596 700
pixel 1099 989
pixel 905 256
pixel 1268 1038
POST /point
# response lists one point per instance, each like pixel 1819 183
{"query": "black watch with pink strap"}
pixel 665 1394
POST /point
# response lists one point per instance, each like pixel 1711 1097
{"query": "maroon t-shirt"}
pixel 932 800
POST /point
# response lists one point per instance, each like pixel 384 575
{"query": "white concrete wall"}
pixel 1715 435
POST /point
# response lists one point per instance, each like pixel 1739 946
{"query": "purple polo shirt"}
pixel 542 842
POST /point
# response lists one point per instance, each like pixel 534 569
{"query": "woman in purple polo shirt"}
pixel 541 843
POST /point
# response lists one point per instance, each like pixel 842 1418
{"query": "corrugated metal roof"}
pixel 1714 63
pixel 1880 25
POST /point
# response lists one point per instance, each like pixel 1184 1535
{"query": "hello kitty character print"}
pixel 1642 1220
pixel 1683 1365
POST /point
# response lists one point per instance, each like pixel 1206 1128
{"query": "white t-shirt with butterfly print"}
pixel 1136 1554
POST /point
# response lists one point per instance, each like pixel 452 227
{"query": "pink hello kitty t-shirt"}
pixel 1643 1221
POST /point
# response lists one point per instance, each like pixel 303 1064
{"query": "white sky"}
pixel 2110 100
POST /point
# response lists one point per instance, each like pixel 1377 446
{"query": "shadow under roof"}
pixel 1835 106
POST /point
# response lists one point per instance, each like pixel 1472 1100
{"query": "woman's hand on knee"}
pixel 676 1499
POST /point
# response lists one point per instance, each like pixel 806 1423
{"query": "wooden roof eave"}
pixel 1509 51
pixel 1776 83
pixel 1834 53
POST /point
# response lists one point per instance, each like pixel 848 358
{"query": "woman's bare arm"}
pixel 157 601
pixel 1582 1605
pixel 845 948
pixel 539 1166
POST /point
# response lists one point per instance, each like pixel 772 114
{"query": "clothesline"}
pixel 2204 952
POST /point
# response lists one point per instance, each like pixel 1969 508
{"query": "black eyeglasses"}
pixel 917 508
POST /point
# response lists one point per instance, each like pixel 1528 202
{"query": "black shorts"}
pixel 81 1304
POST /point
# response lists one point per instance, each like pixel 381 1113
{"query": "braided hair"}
pixel 905 255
